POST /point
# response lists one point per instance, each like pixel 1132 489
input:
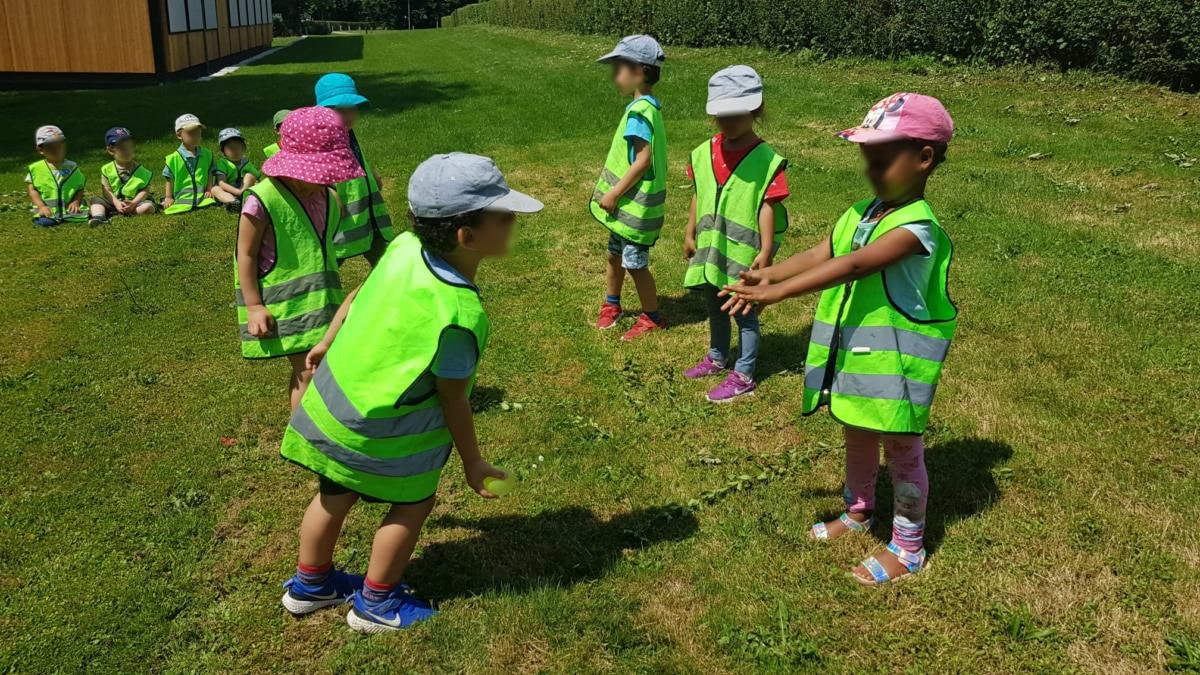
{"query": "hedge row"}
pixel 1153 40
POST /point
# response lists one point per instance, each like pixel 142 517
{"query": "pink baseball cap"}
pixel 902 116
pixel 314 147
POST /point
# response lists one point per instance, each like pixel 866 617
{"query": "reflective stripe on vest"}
pixel 303 290
pixel 56 192
pixel 366 214
pixel 139 180
pixel 355 424
pixel 727 231
pixel 874 366
pixel 639 213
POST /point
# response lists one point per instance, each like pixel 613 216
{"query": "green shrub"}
pixel 1154 40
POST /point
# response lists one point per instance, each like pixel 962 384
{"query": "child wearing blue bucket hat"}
pixel 367 229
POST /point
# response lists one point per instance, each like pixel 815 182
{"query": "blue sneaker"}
pixel 400 609
pixel 301 598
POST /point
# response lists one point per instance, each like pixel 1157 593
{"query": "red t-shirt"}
pixel 722 159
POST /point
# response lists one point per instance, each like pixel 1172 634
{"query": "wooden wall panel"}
pixel 89 47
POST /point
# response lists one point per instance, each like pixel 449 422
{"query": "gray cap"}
pixel 49 134
pixel 228 134
pixel 187 121
pixel 735 90
pixel 455 183
pixel 641 49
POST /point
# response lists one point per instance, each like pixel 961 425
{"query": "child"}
pixel 234 173
pixel 391 392
pixel 368 229
pixel 883 324
pixel 629 196
pixel 286 280
pixel 124 184
pixel 188 170
pixel 280 116
pixel 733 221
pixel 54 183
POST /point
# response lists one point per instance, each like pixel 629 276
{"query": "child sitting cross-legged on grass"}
pixel 883 324
pixel 234 172
pixel 124 184
pixel 55 183
pixel 390 396
pixel 188 171
pixel 287 283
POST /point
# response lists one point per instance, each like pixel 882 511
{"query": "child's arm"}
pixel 75 204
pixel 36 197
pixel 227 187
pixel 456 408
pixel 250 236
pixel 169 195
pixel 642 159
pixel 106 190
pixel 139 198
pixel 689 235
pixel 888 250
pixel 317 353
pixel 766 234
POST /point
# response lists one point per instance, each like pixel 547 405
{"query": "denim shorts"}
pixel 633 256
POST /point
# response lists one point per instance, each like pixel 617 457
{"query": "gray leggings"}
pixel 720 334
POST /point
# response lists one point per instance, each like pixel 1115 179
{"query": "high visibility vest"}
pixel 639 213
pixel 188 185
pixel 270 150
pixel 367 214
pixel 302 290
pixel 876 367
pixel 58 193
pixel 355 424
pixel 139 180
pixel 234 174
pixel 727 233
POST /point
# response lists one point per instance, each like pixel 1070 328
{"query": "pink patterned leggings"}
pixel 910 483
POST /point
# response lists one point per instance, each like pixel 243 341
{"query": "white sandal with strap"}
pixel 820 531
pixel 913 562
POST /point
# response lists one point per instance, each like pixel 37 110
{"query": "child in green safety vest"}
pixel 629 196
pixel 367 228
pixel 54 183
pixel 391 394
pixel 883 325
pixel 286 272
pixel 124 183
pixel 734 222
pixel 276 121
pixel 188 170
pixel 234 172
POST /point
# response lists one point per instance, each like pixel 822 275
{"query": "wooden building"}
pixel 51 42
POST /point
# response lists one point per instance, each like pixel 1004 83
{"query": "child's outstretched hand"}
pixel 478 470
pixel 752 290
pixel 259 321
pixel 316 355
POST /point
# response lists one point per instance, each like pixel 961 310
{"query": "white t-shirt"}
pixel 908 279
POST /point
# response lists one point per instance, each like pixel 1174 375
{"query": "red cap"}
pixel 903 116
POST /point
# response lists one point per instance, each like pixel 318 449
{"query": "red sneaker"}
pixel 609 313
pixel 643 325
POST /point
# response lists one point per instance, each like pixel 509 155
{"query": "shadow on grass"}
pixel 558 548
pixel 779 353
pixel 961 485
pixel 683 310
pixel 325 49
pixel 484 399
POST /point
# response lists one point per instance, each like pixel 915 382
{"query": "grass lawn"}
pixel 146 520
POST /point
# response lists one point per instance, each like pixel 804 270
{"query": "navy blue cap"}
pixel 116 135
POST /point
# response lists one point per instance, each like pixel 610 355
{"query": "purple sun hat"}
pixel 314 147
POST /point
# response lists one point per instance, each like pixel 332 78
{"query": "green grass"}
pixel 146 521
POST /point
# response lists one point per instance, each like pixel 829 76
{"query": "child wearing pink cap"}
pixel 286 275
pixel 883 324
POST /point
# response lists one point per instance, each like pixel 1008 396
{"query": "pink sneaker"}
pixel 609 313
pixel 643 325
pixel 735 385
pixel 706 367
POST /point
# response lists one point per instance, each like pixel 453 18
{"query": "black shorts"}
pixel 329 487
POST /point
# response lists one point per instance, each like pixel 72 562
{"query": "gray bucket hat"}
pixel 641 49
pixel 735 90
pixel 228 134
pixel 456 183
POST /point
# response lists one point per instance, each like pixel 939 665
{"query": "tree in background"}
pixel 386 13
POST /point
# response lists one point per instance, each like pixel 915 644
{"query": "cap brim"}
pixel 870 136
pixel 190 126
pixel 611 56
pixel 346 101
pixel 734 106
pixel 515 202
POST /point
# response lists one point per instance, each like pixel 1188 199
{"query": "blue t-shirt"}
pixel 638 127
pixel 458 350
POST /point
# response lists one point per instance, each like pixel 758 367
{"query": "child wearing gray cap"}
pixel 734 223
pixel 632 189
pixel 234 173
pixel 55 183
pixel 390 395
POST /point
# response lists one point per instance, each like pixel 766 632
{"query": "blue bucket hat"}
pixel 337 90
